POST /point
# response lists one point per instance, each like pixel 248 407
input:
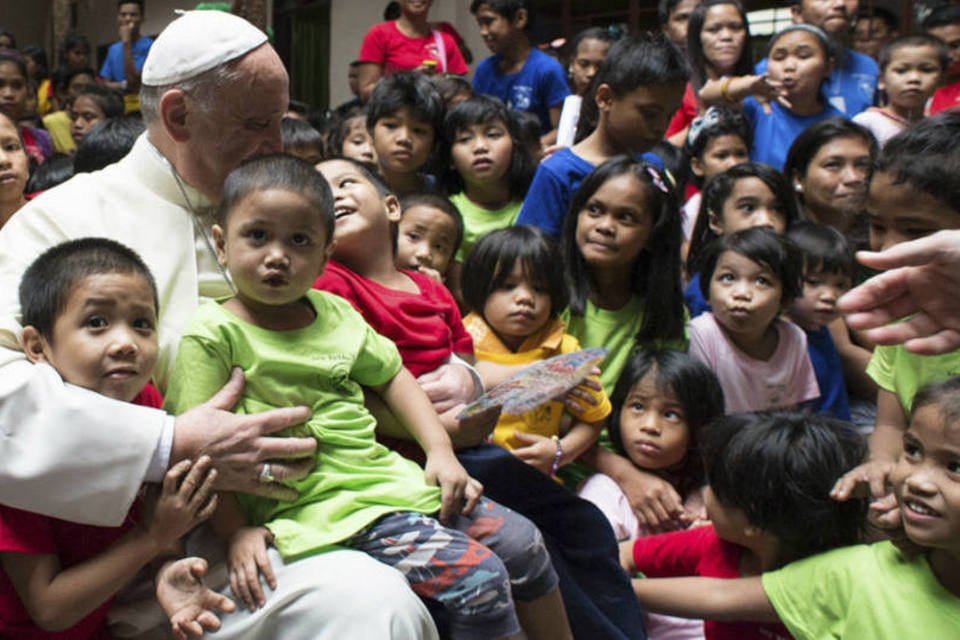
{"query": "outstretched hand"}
pixel 920 284
pixel 189 604
pixel 239 444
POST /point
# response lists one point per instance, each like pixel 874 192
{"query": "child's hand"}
pixel 181 505
pixel 189 604
pixel 538 451
pixel 247 560
pixel 459 493
pixel 581 398
pixel 431 273
pixel 767 90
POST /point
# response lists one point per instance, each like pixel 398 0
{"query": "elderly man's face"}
pixel 244 123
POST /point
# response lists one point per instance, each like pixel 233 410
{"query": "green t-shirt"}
pixel 478 221
pixel 865 591
pixel 322 366
pixel 903 373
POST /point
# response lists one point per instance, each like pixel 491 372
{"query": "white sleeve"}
pixel 68 452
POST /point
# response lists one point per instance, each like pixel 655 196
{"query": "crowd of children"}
pixel 432 231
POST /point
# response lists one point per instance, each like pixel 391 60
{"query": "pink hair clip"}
pixel 657 179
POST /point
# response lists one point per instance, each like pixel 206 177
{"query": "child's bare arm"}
pixel 854 358
pixel 708 598
pixel 413 409
pixel 541 452
pixel 246 553
pixel 58 598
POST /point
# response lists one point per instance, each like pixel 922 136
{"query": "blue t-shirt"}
pixel 693 297
pixel 112 68
pixel 557 178
pixel 539 85
pixel 825 358
pixel 852 87
pixel 773 133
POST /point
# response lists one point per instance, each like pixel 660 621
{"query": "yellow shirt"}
pixel 550 341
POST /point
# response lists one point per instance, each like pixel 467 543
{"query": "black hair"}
pixel 925 156
pixel 718 190
pixel 63 79
pixel 406 90
pixel 830 50
pixel 369 174
pixel 765 247
pixel 506 8
pixel 485 110
pixel 873 11
pixel 806 145
pixel 13 56
pixel 139 3
pixel 48 282
pixel 440 203
pixel 726 122
pixel 916 40
pixel 778 467
pixel 299 107
pixel 109 101
pixel 676 163
pixel 282 172
pixel 73 40
pixel 54 171
pixel 823 248
pixel 655 274
pixel 946 394
pixel 391 11
pixel 698 60
pixel 107 143
pixel 528 129
pixel 39 56
pixel 942 16
pixel 450 85
pixel 695 387
pixel 298 133
pixel 592 33
pixel 340 131
pixel 635 60
pixel 490 261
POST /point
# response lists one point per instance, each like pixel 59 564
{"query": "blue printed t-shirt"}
pixel 693 297
pixel 112 68
pixel 852 86
pixel 539 85
pixel 556 180
pixel 774 132
pixel 833 399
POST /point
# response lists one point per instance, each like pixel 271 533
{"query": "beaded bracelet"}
pixel 556 456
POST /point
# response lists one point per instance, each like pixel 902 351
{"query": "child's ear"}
pixel 391 206
pixel 713 221
pixel 604 96
pixel 173 114
pixel 520 19
pixel 220 243
pixel 696 166
pixel 34 345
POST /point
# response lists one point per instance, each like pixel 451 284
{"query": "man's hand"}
pixel 238 444
pixel 447 386
pixel 190 605
pixel 922 281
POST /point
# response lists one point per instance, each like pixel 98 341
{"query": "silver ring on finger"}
pixel 266 475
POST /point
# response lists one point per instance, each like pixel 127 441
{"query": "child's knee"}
pixel 519 544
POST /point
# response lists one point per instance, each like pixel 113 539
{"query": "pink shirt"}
pixel 785 379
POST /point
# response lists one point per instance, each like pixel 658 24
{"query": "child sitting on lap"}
pixel 299 346
pixel 90 312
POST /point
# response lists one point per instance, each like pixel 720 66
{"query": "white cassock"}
pixel 71 453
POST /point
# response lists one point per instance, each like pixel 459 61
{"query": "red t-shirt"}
pixel 73 543
pixel 944 98
pixel 699 552
pixel 685 114
pixel 385 45
pixel 426 327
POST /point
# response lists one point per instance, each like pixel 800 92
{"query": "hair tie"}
pixel 709 118
pixel 657 179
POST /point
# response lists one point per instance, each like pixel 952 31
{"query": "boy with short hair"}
pixel 404 115
pixel 944 23
pixel 90 314
pixel 299 138
pixel 873 29
pixel 522 76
